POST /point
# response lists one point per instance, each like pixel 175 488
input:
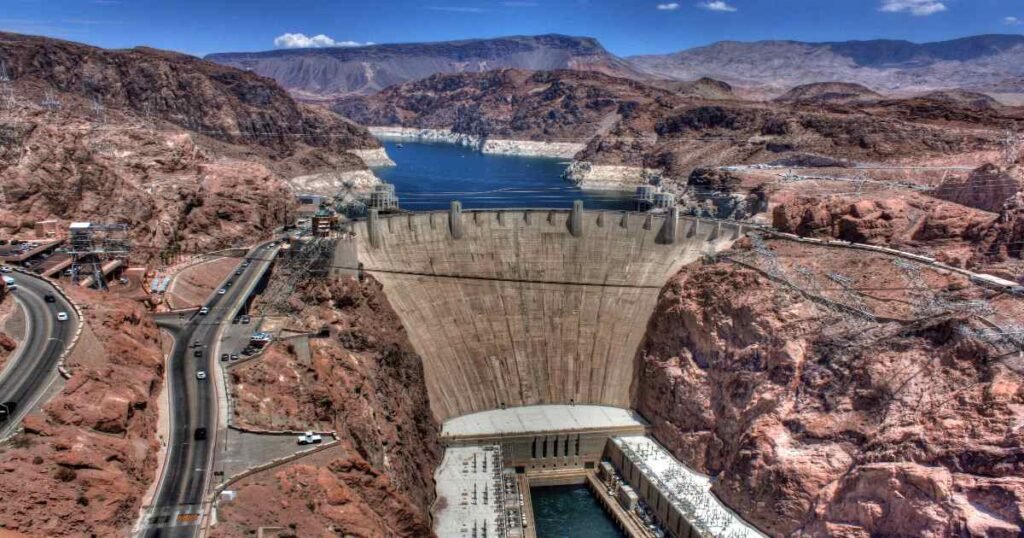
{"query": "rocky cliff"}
pixel 339 71
pixel 362 380
pixel 853 401
pixel 83 464
pixel 636 132
pixel 191 154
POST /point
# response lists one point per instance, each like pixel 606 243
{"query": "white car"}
pixel 221 291
pixel 310 438
pixel 4 269
pixel 62 316
pixel 204 311
pixel 200 375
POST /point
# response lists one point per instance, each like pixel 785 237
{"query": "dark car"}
pixel 228 285
pixel 49 298
pixel 198 353
pixel 200 434
pixel 7 409
pixel 223 357
pixel 238 273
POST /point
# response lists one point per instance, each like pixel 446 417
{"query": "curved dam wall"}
pixel 517 307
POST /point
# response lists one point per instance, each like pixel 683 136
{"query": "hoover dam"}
pixel 525 307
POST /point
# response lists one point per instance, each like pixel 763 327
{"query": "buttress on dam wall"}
pixel 521 307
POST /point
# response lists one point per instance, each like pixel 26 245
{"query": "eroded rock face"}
pixel 988 188
pixel 194 156
pixel 364 381
pixel 816 423
pixel 84 462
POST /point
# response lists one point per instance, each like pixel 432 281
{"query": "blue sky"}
pixel 624 26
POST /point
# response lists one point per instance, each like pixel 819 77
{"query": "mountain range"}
pixel 986 63
pixel 320 73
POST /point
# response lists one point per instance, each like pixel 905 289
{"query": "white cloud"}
pixel 717 5
pixel 302 41
pixel 1012 21
pixel 668 7
pixel 919 8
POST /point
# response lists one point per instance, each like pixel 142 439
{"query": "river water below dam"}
pixel 428 176
pixel 571 512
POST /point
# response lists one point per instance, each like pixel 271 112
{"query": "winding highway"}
pixel 32 370
pixel 178 508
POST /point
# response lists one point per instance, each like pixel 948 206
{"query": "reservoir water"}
pixel 571 512
pixel 428 176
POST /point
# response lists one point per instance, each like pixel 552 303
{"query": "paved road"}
pixel 178 507
pixel 31 373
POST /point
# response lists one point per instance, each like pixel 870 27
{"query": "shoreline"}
pixel 583 174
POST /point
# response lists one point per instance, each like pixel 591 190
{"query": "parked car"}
pixel 223 357
pixel 5 269
pixel 310 438
pixel 204 311
pixel 234 356
pixel 197 353
pixel 49 298
pixel 245 320
pixel 62 316
pixel 222 291
pixel 200 375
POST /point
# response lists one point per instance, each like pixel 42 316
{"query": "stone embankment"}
pixel 587 175
pixel 523 148
pixel 374 158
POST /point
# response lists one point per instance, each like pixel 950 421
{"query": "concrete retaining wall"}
pixel 522 307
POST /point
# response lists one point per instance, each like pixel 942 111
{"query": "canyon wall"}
pixel 362 381
pixel 513 308
pixel 818 422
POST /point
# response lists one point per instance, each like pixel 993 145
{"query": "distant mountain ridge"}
pixel 325 73
pixel 983 62
pixel 986 63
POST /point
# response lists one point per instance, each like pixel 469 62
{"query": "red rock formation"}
pixel 363 381
pixel 84 462
pixel 816 423
pixel 193 155
pixel 987 188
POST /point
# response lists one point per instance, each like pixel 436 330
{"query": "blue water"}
pixel 431 175
pixel 571 512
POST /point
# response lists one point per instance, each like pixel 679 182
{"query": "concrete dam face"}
pixel 512 308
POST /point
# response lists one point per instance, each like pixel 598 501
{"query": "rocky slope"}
pixel 7 344
pixel 363 381
pixel 983 63
pixel 638 132
pixel 833 92
pixel 192 154
pixel 84 462
pixel 864 409
pixel 339 71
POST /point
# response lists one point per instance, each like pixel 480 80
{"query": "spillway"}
pixel 525 307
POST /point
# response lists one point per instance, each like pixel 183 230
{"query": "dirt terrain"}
pixel 84 462
pixel 192 155
pixel 363 381
pixel 859 399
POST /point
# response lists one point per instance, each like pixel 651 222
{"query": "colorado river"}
pixel 571 512
pixel 429 175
